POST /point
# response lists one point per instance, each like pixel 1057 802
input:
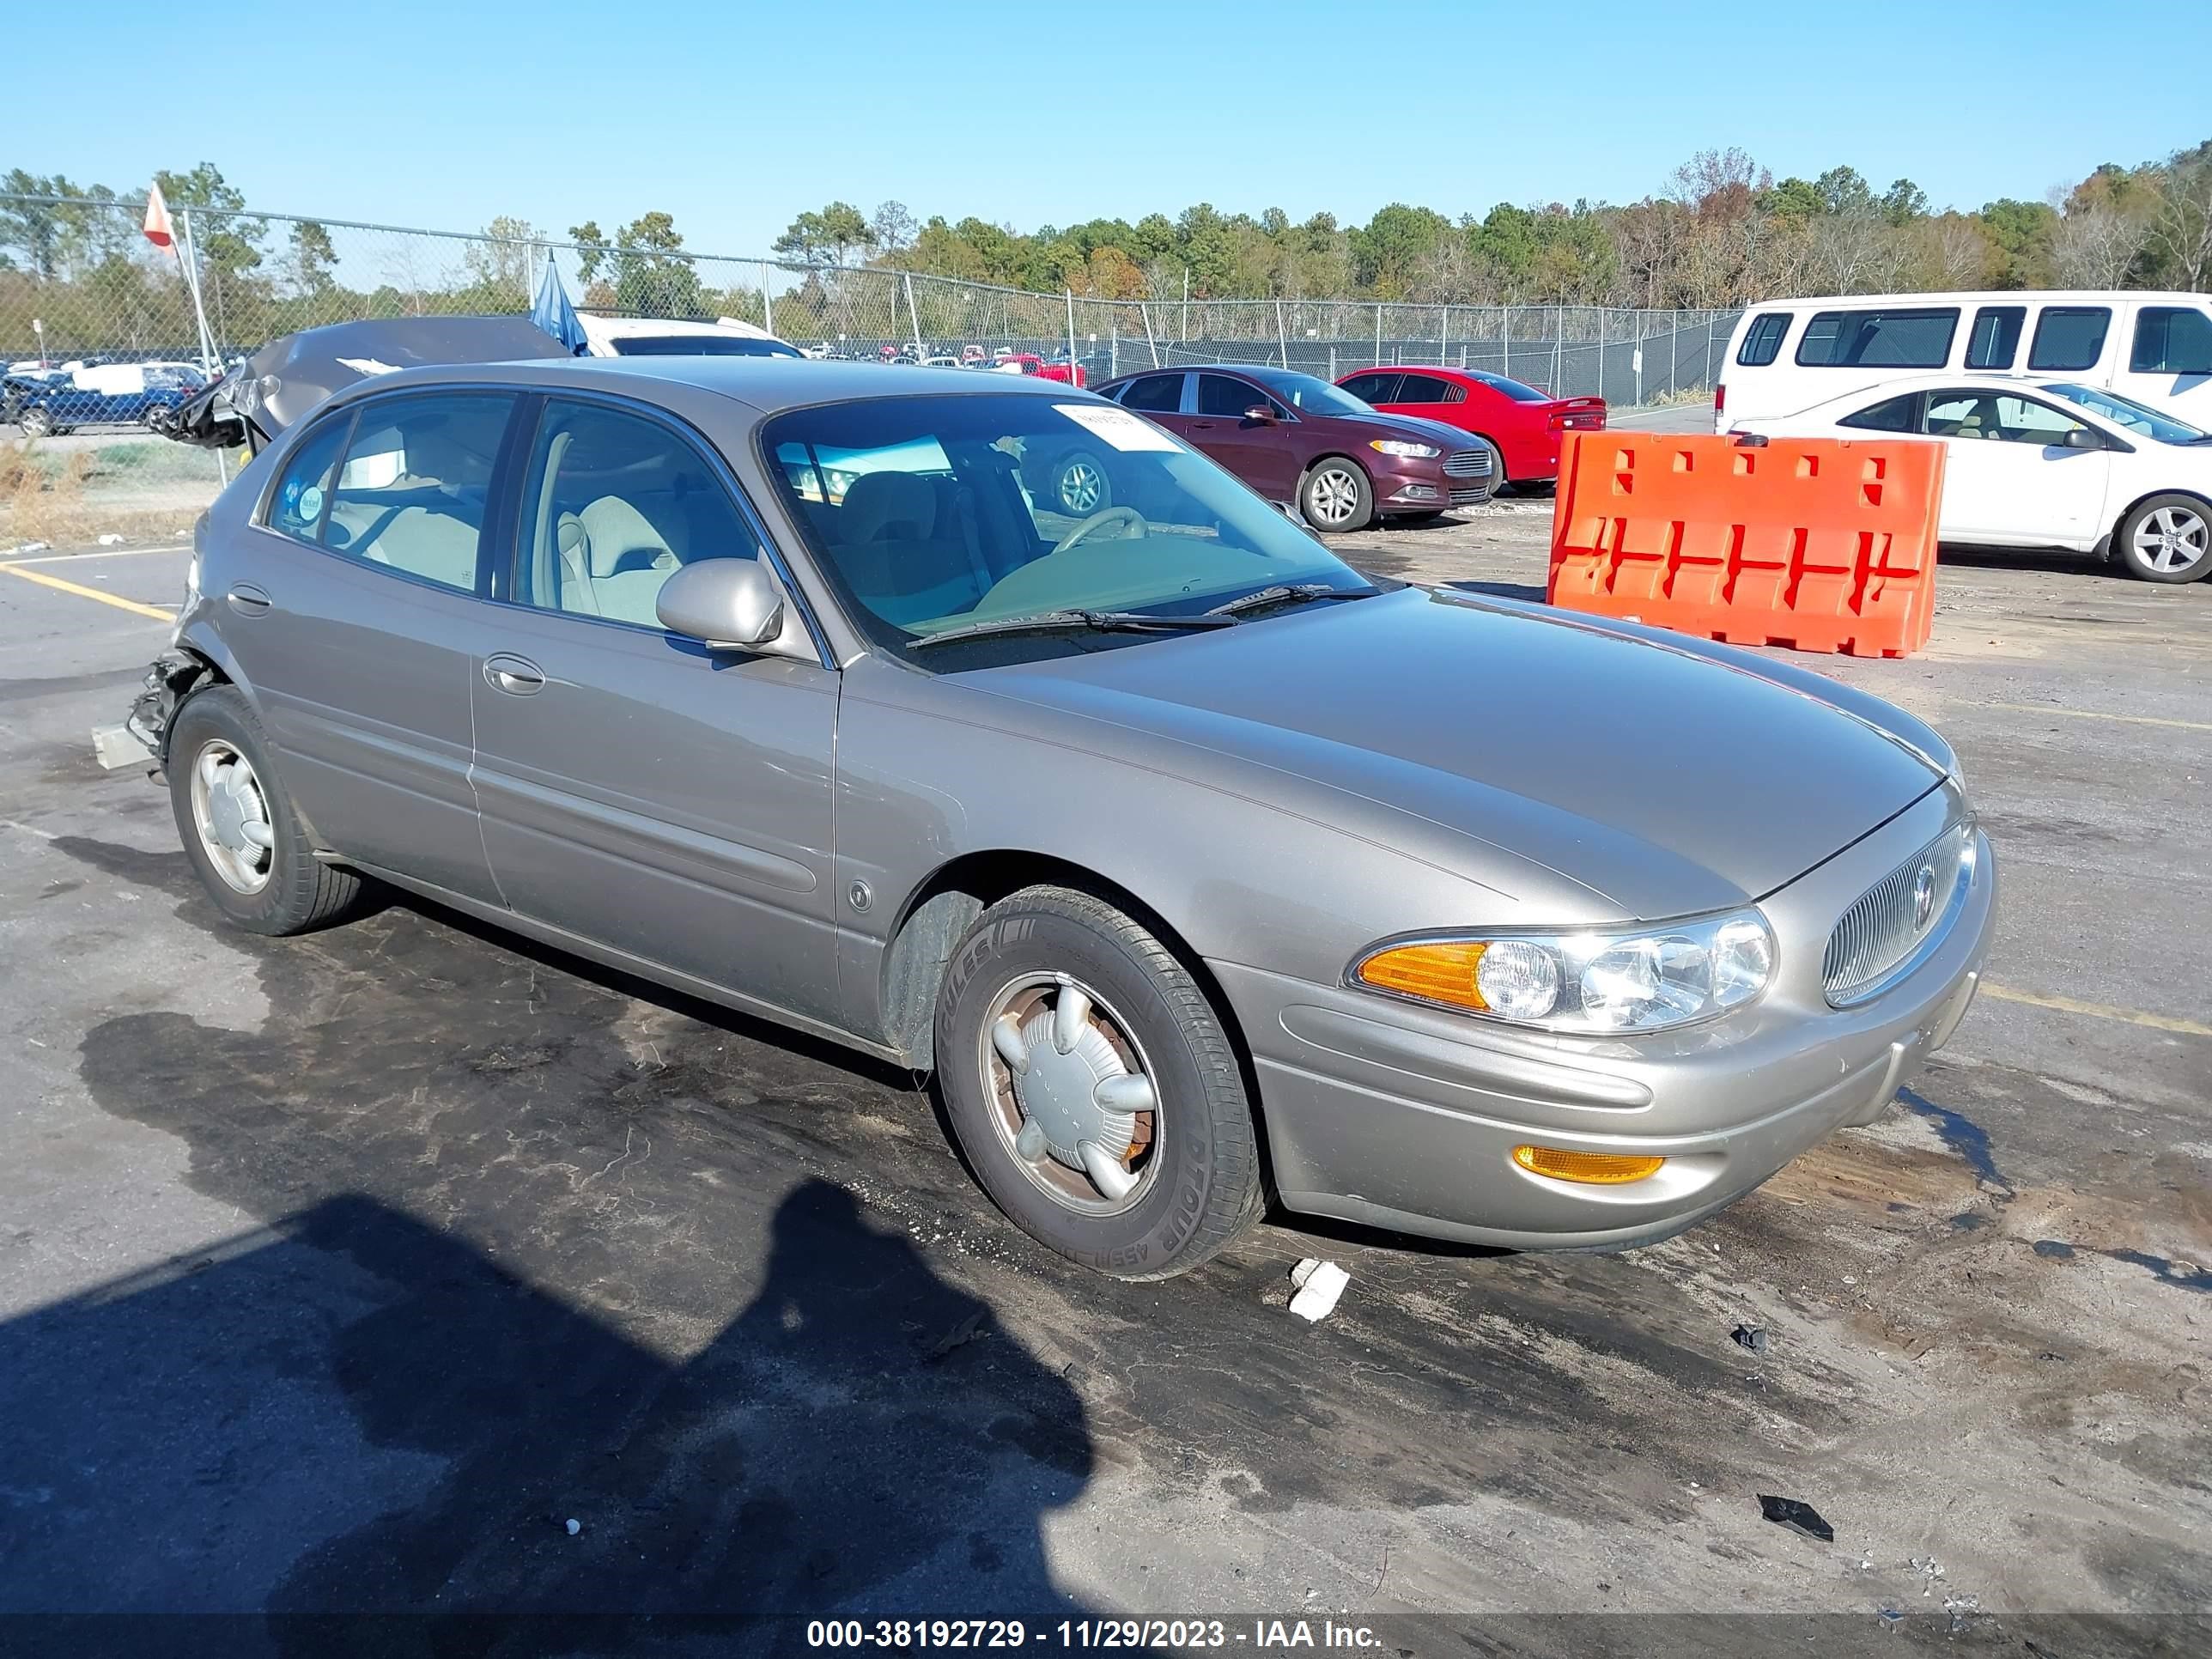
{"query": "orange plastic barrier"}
pixel 1816 543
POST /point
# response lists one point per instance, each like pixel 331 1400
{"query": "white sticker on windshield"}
pixel 1117 427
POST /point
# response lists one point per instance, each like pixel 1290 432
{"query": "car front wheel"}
pixel 1080 484
pixel 1336 495
pixel 2166 539
pixel 1093 1089
pixel 34 422
pixel 238 826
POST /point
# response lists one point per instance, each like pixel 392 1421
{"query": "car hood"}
pixel 1656 777
pixel 1404 426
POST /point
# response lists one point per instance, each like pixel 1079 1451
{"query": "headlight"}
pixel 1637 980
pixel 1400 447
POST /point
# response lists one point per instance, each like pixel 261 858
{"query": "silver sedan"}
pixel 1200 870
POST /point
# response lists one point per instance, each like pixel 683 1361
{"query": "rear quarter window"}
pixel 1890 414
pixel 1762 340
pixel 1878 339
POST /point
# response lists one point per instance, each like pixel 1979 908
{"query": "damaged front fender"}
pixel 171 677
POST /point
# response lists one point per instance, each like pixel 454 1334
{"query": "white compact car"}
pixel 666 337
pixel 2039 463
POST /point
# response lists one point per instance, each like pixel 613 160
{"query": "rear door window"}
pixel 1374 388
pixel 1159 394
pixel 2171 340
pixel 1762 340
pixel 1995 340
pixel 1424 389
pixel 2069 338
pixel 1878 339
pixel 412 493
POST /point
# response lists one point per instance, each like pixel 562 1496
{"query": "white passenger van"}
pixel 1789 354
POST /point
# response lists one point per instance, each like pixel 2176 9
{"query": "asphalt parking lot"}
pixel 340 1273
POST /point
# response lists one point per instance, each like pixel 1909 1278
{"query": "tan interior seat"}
pixel 905 564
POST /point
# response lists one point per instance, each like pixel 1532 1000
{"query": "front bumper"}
pixel 1409 484
pixel 1393 1114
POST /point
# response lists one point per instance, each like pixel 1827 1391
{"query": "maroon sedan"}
pixel 1521 425
pixel 1293 438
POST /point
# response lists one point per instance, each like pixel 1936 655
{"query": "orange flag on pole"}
pixel 158 231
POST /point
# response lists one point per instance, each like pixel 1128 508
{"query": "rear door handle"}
pixel 518 676
pixel 248 601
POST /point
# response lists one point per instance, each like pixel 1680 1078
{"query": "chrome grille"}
pixel 1895 918
pixel 1467 464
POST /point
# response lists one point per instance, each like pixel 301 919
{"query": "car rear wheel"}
pixel 35 422
pixel 240 828
pixel 1093 1087
pixel 1336 495
pixel 1079 485
pixel 2168 538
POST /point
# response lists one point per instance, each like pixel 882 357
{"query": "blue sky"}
pixel 734 116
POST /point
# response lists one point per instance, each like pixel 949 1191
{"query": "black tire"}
pixel 35 421
pixel 301 891
pixel 1079 477
pixel 1316 488
pixel 1202 1184
pixel 2187 514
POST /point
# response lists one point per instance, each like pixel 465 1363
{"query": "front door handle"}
pixel 518 676
pixel 248 601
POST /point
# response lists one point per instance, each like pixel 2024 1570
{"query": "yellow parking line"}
pixel 2097 1011
pixel 2099 714
pixel 83 592
pixel 104 553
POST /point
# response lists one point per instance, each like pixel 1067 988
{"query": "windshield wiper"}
pixel 1288 593
pixel 1102 622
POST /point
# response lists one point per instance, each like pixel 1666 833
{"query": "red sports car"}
pixel 1521 425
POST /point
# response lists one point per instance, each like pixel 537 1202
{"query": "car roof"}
pixel 766 385
pixel 1986 297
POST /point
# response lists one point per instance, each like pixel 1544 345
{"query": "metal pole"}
pixel 1151 344
pixel 1074 374
pixel 1282 334
pixel 1505 338
pixel 208 361
pixel 1600 351
pixel 1379 334
pixel 1559 351
pixel 1636 362
pixel 768 301
pixel 913 315
pixel 1711 372
pixel 1186 305
pixel 1443 337
pixel 1113 344
pixel 1674 354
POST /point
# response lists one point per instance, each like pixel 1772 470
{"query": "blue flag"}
pixel 552 312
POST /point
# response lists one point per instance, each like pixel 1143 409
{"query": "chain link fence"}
pixel 80 283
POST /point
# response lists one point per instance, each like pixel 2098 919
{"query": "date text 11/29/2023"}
pixel 1262 1636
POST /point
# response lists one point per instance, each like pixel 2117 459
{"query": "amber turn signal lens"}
pixel 1442 972
pixel 1591 1169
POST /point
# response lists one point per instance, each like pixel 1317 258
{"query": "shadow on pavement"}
pixel 352 1414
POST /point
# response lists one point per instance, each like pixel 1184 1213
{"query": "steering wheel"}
pixel 1099 520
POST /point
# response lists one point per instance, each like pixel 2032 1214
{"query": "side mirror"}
pixel 727 605
pixel 1259 415
pixel 2081 437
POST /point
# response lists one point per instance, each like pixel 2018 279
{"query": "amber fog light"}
pixel 1590 1168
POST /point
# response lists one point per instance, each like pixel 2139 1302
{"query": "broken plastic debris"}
pixel 573 1525
pixel 33 547
pixel 1320 1283
pixel 109 538
pixel 1800 1517
pixel 1752 1337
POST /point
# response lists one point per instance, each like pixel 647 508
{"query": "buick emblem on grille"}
pixel 1923 896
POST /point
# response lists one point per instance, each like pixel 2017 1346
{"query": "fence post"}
pixel 1636 359
pixel 1186 305
pixel 913 314
pixel 1559 351
pixel 1379 334
pixel 1712 372
pixel 1151 344
pixel 1074 373
pixel 1282 334
pixel 1674 355
pixel 1113 344
pixel 768 301
pixel 1443 337
pixel 1506 339
pixel 1600 351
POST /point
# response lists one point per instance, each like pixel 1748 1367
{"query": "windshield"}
pixel 2126 412
pixel 935 512
pixel 1307 393
pixel 701 345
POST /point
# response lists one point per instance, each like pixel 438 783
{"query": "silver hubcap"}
pixel 1335 496
pixel 2173 538
pixel 1080 487
pixel 1072 1097
pixel 231 816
